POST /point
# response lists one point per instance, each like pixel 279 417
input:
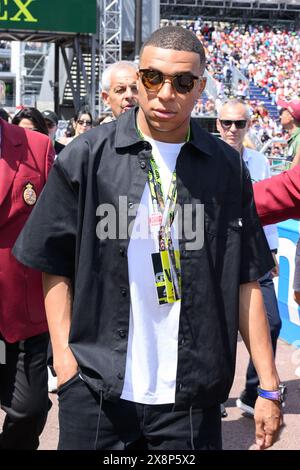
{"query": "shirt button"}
pixel 122 333
pixel 180 387
pixel 143 165
pixel 124 292
pixel 120 376
pixel 182 342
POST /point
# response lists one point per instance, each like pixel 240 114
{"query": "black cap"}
pixel 51 116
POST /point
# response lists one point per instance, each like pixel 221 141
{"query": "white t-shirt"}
pixel 151 362
pixel 259 169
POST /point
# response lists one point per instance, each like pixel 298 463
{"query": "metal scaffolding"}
pixel 110 35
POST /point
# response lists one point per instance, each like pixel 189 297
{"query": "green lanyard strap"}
pixel 167 209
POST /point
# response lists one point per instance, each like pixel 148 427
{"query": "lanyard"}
pixel 165 209
pixel 167 214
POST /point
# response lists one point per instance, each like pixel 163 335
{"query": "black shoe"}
pixel 246 403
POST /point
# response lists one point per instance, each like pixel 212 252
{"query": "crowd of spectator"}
pixel 267 57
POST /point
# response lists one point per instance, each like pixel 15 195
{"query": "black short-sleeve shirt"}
pixel 108 166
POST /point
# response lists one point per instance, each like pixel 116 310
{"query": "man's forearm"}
pixel 58 304
pixel 254 329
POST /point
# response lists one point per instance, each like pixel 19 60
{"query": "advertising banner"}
pixel 289 311
pixel 69 16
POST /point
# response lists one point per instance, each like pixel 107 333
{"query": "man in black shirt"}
pixel 151 248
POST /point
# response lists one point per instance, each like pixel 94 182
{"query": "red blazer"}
pixel 26 157
pixel 278 198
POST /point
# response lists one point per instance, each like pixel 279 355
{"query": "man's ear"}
pixel 218 125
pixel 105 97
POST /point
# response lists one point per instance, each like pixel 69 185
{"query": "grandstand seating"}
pixel 257 95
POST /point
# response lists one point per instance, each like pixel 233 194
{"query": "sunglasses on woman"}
pixel 83 121
pixel 227 123
pixel 153 80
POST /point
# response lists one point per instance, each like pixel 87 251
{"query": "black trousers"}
pixel 271 306
pixel 88 422
pixel 24 392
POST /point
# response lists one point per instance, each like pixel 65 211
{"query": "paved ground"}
pixel 238 431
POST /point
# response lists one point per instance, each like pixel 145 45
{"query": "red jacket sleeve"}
pixel 278 198
pixel 50 157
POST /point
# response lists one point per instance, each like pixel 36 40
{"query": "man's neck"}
pixel 238 148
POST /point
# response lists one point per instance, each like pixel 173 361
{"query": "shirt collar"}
pixel 126 134
pixel 246 155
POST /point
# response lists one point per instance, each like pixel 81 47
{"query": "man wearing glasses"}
pixel 233 124
pixel 143 309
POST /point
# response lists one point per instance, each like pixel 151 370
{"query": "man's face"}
pixel 123 93
pixel 52 128
pixel 286 119
pixel 233 133
pixel 165 114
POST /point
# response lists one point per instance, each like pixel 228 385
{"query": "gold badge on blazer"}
pixel 29 194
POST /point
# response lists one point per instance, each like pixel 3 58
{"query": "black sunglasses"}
pixel 227 123
pixel 154 79
pixel 84 121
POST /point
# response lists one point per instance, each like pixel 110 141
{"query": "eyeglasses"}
pixel 154 79
pixel 83 121
pixel 227 123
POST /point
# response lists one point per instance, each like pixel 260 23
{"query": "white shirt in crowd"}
pixel 259 169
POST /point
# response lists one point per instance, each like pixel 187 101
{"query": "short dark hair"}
pixel 33 115
pixel 177 38
pixel 80 113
